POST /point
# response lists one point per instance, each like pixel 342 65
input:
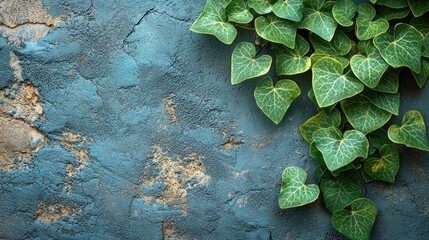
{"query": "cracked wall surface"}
pixel 117 122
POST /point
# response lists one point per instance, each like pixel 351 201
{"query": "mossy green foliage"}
pixel 355 54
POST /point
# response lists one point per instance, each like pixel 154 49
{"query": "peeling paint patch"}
pixel 25 20
pixel 231 144
pixel 169 231
pixel 50 213
pixel 179 174
pixel 18 142
pixel 16 66
pixel 169 107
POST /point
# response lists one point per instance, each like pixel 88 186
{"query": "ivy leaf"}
pixel 394 3
pixel 389 82
pixel 422 25
pixel 340 44
pixel 391 13
pixel 424 73
pixel 338 151
pixel 245 65
pixel 386 101
pixel 339 192
pixel 330 85
pixel 292 61
pixel 363 115
pixel 318 19
pixel 315 57
pixel 344 11
pixel 366 28
pixel 412 133
pixel 261 6
pixel 369 69
pixel 356 223
pixel 238 12
pixel 289 9
pixel 294 192
pixel 385 167
pixel 402 50
pixel 212 20
pixel 276 30
pixel 274 101
pixel 418 7
pixel 377 139
pixel 324 119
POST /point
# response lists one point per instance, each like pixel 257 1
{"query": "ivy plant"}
pixel 356 53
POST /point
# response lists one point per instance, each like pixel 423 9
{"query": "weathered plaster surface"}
pixel 117 122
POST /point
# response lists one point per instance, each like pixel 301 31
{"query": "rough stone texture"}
pixel 116 122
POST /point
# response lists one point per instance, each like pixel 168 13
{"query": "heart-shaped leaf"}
pixel 369 69
pixel 385 167
pixel 402 50
pixel 338 151
pixel 386 101
pixel 339 192
pixel 275 101
pixel 315 57
pixel 418 7
pixel 294 192
pixel 238 12
pixel 324 119
pixel 277 30
pixel 340 44
pixel 422 77
pixel 212 20
pixel 356 223
pixel 394 3
pixel 344 11
pixel 422 25
pixel 318 19
pixel 289 9
pixel 389 82
pixel 391 13
pixel 412 133
pixel 366 28
pixel 261 6
pixel 330 85
pixel 292 61
pixel 377 139
pixel 245 65
pixel 363 115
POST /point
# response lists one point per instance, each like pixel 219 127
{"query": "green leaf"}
pixel 377 139
pixel 318 19
pixel 344 11
pixel 339 192
pixel 294 192
pixel 402 50
pixel 276 30
pixel 245 65
pixel 385 167
pixel 363 115
pixel 386 101
pixel 389 82
pixel 289 9
pixel 356 223
pixel 418 7
pixel 369 69
pixel 316 154
pixel 351 166
pixel 315 57
pixel 338 151
pixel 261 6
pixel 366 28
pixel 275 101
pixel 422 24
pixel 330 85
pixel 324 119
pixel 422 77
pixel 391 13
pixel 212 21
pixel 365 177
pixel 292 61
pixel 238 12
pixel 393 3
pixel 339 45
pixel 412 133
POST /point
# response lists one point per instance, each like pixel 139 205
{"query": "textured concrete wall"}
pixel 116 122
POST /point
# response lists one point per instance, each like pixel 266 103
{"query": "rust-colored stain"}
pixel 169 107
pixel 169 231
pixel 47 213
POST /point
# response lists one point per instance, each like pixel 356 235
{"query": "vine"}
pixel 355 53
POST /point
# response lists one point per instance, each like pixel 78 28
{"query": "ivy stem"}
pixel 245 27
pixel 363 183
pixel 262 47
